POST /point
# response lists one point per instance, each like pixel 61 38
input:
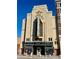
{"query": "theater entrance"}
pixel 39 49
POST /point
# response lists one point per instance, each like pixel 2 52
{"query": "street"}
pixel 38 57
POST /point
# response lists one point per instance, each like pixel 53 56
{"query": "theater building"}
pixel 39 32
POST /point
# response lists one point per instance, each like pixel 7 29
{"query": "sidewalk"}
pixel 37 57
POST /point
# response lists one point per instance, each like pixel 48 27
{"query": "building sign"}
pixel 38 44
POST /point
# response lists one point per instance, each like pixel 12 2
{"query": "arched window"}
pixel 37 28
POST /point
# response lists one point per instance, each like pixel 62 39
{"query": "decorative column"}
pixel 31 28
pixel 38 26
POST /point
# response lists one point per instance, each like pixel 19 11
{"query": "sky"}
pixel 25 6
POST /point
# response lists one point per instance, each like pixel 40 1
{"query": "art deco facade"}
pixel 39 31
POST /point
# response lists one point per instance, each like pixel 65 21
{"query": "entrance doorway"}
pixel 40 49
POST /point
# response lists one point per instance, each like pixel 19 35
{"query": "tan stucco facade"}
pixel 48 20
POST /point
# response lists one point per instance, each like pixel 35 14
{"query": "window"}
pixel 55 42
pixel 50 39
pixel 58 17
pixel 41 28
pixel 58 12
pixel 60 32
pixel 59 24
pixel 58 4
pixel 35 28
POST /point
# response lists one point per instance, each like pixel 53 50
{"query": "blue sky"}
pixel 25 6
